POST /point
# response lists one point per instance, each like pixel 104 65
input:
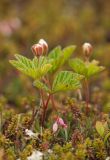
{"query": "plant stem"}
pixel 52 97
pixel 87 95
pixel 66 134
pixel 79 94
pixel 45 109
pixel 33 118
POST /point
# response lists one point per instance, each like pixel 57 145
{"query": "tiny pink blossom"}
pixel 61 122
pixel 55 127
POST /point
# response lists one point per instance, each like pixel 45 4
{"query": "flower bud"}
pixel 44 45
pixel 87 50
pixel 55 127
pixel 37 49
pixel 60 121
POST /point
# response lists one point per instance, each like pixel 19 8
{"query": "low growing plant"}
pixel 45 69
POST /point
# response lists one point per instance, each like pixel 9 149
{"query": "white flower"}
pixel 30 133
pixel 36 155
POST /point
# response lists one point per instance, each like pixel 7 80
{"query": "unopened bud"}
pixel 87 50
pixel 37 49
pixel 61 122
pixel 45 45
pixel 55 127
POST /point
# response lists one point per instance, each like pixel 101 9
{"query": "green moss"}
pixel 26 152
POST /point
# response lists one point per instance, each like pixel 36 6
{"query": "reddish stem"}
pixel 45 109
pixel 52 97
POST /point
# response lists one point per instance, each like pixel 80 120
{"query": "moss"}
pixel 47 135
pixel 99 149
pixel 5 142
pixel 10 154
pixel 80 153
pixel 26 152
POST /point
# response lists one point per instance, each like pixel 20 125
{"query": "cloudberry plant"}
pixel 69 132
pixel 46 72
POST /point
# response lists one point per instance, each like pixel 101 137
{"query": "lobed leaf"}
pixel 66 80
pixel 55 53
pixel 35 68
pixel 78 66
pixel 67 52
pixel 60 56
pixel 93 69
pixel 86 69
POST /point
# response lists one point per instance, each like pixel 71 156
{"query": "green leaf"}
pixel 93 68
pixel 100 128
pixel 78 66
pixel 55 53
pixel 66 80
pixel 41 85
pixel 67 52
pixel 60 56
pixel 56 56
pixel 87 69
pixel 35 68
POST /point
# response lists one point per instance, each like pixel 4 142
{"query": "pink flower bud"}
pixel 61 122
pixel 37 49
pixel 87 49
pixel 45 45
pixel 65 126
pixel 55 127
